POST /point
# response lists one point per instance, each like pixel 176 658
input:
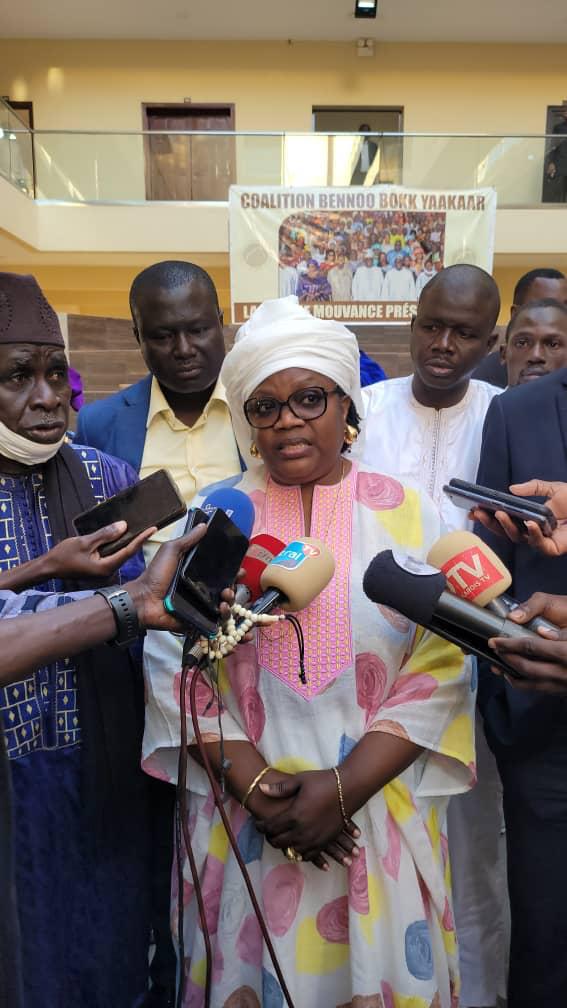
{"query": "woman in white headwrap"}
pixel 380 730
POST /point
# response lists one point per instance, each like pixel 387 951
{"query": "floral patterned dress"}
pixel 381 934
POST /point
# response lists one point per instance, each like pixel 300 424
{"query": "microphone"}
pixel 292 579
pixel 295 576
pixel 474 572
pixel 235 504
pixel 419 591
pixel 261 551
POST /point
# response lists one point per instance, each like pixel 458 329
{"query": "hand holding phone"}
pixel 81 557
pixel 202 574
pixel 75 559
pixel 154 502
pixel 554 543
pixel 513 514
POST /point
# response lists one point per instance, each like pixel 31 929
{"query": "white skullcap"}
pixel 282 334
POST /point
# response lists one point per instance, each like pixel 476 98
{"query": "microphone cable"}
pixel 192 657
pixel 232 840
pixel 300 644
pixel 182 833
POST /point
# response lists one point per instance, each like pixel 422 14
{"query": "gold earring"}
pixel 351 434
pixel 254 450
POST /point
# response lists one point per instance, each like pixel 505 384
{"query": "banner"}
pixel 357 254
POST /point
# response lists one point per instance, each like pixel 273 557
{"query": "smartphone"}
pixel 173 601
pixel 206 570
pixel 155 500
pixel 469 495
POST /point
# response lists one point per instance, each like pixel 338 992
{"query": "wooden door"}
pixel 189 167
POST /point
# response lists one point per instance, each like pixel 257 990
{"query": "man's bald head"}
pixel 167 276
pixel 178 325
pixel 468 282
pixel 451 332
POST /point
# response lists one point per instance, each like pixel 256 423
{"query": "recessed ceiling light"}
pixel 365 8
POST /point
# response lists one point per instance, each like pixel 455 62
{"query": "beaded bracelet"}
pixel 254 783
pixel 226 640
pixel 340 793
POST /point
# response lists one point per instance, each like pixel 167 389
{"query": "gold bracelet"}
pixel 256 781
pixel 340 792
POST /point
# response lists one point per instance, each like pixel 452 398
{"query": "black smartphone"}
pixel 174 598
pixel 470 495
pixel 155 500
pixel 206 570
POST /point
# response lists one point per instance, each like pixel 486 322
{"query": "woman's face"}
pixel 297 451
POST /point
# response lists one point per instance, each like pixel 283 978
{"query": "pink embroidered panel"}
pixel 326 622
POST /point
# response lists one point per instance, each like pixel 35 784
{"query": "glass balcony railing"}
pixel 16 151
pixel 130 167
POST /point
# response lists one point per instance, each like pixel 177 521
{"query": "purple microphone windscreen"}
pixel 235 504
pixel 411 587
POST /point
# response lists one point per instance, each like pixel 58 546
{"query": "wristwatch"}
pixel 127 623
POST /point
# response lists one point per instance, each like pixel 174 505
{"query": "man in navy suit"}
pixel 176 418
pixel 525 435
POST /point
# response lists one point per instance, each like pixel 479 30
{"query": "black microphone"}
pixel 419 592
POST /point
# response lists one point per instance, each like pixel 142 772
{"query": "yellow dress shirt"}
pixel 193 456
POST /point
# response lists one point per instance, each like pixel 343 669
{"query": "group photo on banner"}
pixel 359 254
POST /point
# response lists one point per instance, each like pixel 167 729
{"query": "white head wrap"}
pixel 282 334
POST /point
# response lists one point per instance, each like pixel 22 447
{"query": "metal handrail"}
pixel 59 158
pixel 272 133
pixel 286 133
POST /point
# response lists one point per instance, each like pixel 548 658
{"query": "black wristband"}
pixel 127 623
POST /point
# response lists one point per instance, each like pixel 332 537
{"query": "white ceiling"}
pixel 323 20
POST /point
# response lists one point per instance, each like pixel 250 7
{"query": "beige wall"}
pixel 101 85
pixel 460 88
pixel 103 290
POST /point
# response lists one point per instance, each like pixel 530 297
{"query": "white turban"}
pixel 282 334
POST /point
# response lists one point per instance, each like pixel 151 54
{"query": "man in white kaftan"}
pixel 340 279
pixel 427 428
pixel 427 274
pixel 399 284
pixel 288 277
pixel 368 280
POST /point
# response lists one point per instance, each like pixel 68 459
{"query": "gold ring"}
pixel 292 855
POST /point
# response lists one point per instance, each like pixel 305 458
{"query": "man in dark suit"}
pixel 175 418
pixel 525 435
pixel 555 179
pixel 366 154
pixel 532 286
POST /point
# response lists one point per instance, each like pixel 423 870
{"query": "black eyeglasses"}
pixel 305 404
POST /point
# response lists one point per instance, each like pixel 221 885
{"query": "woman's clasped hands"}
pixel 300 815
